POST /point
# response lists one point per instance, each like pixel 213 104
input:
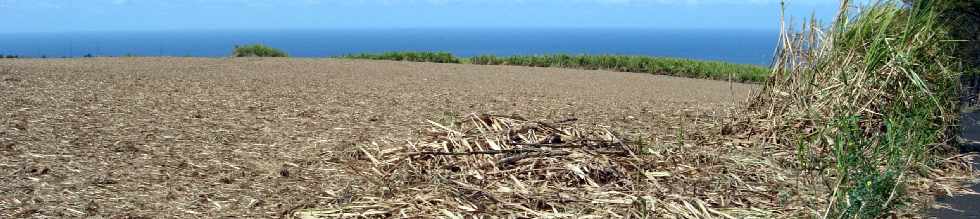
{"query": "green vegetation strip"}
pixel 437 57
pixel 640 64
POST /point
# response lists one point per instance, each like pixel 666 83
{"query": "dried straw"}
pixel 506 165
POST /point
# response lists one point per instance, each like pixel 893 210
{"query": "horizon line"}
pixel 776 29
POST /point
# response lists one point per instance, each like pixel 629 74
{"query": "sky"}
pixel 19 16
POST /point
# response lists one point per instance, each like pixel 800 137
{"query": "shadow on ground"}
pixel 960 206
pixel 964 206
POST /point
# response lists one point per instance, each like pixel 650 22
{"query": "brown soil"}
pixel 195 137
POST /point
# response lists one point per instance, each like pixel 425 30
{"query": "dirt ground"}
pixel 199 137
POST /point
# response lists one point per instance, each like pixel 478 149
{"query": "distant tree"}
pixel 44 56
pixel 257 50
pixel 88 55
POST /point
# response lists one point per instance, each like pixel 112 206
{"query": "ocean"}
pixel 739 46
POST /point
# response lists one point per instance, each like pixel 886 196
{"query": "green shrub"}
pixel 257 50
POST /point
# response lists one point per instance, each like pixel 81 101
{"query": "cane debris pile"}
pixel 508 165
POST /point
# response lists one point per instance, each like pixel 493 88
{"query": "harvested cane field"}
pixel 188 137
pixel 325 138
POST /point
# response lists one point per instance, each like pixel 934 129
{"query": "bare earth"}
pixel 197 137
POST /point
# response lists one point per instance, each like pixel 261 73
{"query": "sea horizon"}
pixel 745 46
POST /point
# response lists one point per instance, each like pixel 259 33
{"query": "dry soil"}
pixel 201 137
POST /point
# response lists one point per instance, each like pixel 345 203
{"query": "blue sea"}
pixel 740 46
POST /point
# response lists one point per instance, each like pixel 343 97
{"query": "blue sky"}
pixel 127 15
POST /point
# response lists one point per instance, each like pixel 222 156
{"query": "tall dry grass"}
pixel 869 103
